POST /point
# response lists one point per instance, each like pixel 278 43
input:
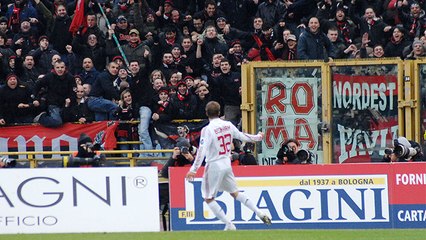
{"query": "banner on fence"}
pixel 289 110
pixel 309 196
pixel 65 138
pixel 365 116
pixel 72 200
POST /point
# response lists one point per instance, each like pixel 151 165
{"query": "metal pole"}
pixel 113 36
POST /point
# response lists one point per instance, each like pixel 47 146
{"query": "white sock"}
pixel 248 203
pixel 218 211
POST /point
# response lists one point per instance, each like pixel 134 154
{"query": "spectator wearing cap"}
pixel 236 55
pixel 272 12
pixel 16 104
pixel 179 158
pixel 287 50
pixel 60 36
pixel 189 80
pixel 314 44
pixel 43 55
pixel 122 29
pixel 123 80
pixel 18 11
pixel 134 50
pixel 119 60
pixel 183 104
pixel 397 43
pixel 26 38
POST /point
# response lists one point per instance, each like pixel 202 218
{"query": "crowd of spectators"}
pixel 176 55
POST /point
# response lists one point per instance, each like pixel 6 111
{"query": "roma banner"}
pixel 65 138
pixel 289 110
pixel 331 196
pixel 365 116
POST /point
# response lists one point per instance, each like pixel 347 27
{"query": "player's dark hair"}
pixel 213 109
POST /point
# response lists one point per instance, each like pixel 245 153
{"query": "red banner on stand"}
pixel 39 138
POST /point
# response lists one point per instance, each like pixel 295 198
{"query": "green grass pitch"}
pixel 376 234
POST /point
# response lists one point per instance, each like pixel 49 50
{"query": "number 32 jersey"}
pixel 215 142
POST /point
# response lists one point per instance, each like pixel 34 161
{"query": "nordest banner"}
pixel 309 197
pixel 79 200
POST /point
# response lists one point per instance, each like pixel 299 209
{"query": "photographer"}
pixel 183 155
pixel 291 153
pixel 244 156
pixel 404 150
pixel 87 154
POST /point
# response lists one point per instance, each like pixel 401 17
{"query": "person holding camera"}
pixel 87 155
pixel 183 155
pixel 291 153
pixel 6 162
pixel 404 150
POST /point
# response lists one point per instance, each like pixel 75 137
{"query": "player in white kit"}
pixel 215 147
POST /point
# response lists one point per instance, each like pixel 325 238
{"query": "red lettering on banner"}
pixel 20 138
pixel 309 137
pixel 309 105
pixel 273 102
pixel 274 130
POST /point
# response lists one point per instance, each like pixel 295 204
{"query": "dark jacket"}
pixel 96 53
pixel 58 88
pixel 104 87
pixel 9 100
pixel 163 110
pixel 76 111
pixel 60 35
pixel 271 13
pixel 43 59
pixel 229 85
pixel 183 106
pixel 314 46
